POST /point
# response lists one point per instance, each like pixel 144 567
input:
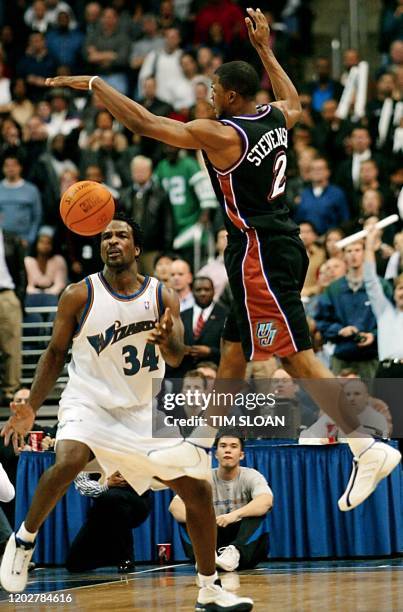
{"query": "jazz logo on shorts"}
pixel 265 333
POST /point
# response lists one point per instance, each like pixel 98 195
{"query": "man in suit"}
pixel 203 325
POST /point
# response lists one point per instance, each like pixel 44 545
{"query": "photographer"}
pixel 345 317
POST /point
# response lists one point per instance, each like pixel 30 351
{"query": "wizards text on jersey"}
pixel 117 332
pixel 269 141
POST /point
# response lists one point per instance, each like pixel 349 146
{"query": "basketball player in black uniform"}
pixel 246 151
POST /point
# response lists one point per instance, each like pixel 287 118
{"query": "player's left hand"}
pixel 74 82
pixel 223 520
pixel 368 339
pixel 258 28
pixel 162 330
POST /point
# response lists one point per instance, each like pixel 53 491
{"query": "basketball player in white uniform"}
pixel 123 328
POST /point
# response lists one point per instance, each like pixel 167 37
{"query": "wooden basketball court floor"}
pixel 328 586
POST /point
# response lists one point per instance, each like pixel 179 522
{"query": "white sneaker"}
pixel 369 468
pixel 15 564
pixel 228 558
pixel 213 598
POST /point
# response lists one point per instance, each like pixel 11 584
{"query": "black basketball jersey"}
pixel 251 192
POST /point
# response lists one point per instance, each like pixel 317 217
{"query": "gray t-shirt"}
pixel 229 495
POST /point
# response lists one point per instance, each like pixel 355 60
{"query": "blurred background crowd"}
pixel 344 171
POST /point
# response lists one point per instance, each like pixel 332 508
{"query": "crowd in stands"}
pixel 344 172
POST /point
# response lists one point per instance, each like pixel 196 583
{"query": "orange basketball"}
pixel 87 207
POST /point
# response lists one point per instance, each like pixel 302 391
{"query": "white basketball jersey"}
pixel 112 365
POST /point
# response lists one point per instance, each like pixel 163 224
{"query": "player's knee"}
pixel 66 470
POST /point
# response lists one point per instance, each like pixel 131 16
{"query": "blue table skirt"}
pixel 305 521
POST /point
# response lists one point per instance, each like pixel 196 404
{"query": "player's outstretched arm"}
pixel 205 134
pixel 283 88
pixel 169 332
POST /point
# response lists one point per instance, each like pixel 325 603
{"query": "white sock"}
pixel 24 535
pixel 359 441
pixel 205 581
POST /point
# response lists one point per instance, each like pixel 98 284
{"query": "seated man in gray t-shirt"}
pixel 241 499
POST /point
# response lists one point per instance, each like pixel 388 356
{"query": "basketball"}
pixel 87 207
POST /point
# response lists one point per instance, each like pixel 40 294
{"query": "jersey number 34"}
pixel 132 362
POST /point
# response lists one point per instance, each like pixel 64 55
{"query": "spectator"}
pixel 62 119
pixel 94 173
pixel 35 137
pixel 242 498
pixel 147 203
pixel 296 184
pixel 190 195
pixel 12 296
pixel 390 331
pixel 216 268
pixel 65 42
pixel 385 88
pixel 323 203
pixel 346 318
pixel 107 51
pixel 351 58
pixel 348 172
pixel 192 386
pixel 209 370
pixel 163 268
pixel 203 323
pixel 395 263
pixel 46 272
pixel 46 174
pixel 323 87
pixel 37 17
pixel 325 431
pixel 332 236
pixel 181 281
pixel 5 93
pixel 20 202
pixel 150 40
pixel 107 153
pixel 36 65
pixel 20 108
pixel 329 133
pixel 389 316
pixel 316 254
pixel 226 14
pixel 391 24
pixel 302 411
pixel 153 148
pixel 117 509
pixel 164 65
pixel 92 16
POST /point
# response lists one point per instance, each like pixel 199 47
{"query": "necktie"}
pixel 199 326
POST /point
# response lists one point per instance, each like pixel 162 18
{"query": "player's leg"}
pixel 71 458
pixel 201 525
pixel 373 460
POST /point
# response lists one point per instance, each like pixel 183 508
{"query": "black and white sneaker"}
pixel 213 598
pixel 15 564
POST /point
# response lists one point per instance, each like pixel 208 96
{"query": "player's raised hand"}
pixel 19 424
pixel 258 28
pixel 162 330
pixel 74 82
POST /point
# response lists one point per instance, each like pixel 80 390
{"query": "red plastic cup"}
pixel 332 433
pixel 164 552
pixel 35 440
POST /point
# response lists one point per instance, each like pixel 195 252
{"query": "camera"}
pixel 357 337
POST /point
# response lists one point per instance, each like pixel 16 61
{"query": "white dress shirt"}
pixel 205 312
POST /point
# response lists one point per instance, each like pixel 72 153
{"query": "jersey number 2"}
pixel 279 180
pixel 150 359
